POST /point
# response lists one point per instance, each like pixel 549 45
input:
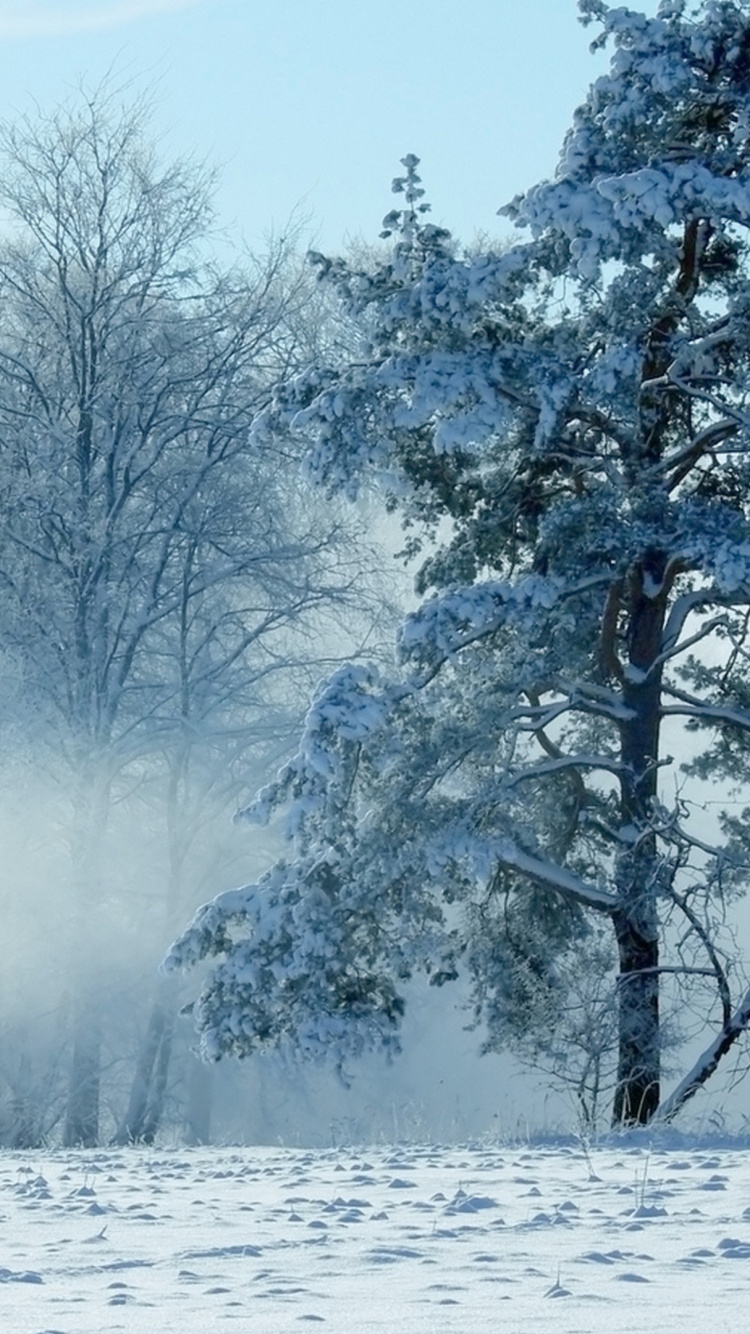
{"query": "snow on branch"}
pixel 594 699
pixel 704 711
pixel 447 623
pixel 603 763
pixel 557 878
pixel 448 293
pixel 206 933
pixel 672 192
pixel 680 463
pixel 707 1062
pixel 347 709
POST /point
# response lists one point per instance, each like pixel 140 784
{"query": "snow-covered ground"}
pixel 414 1240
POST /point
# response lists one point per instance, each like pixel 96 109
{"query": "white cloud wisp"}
pixel 49 18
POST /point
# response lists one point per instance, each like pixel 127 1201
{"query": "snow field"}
pixel 409 1240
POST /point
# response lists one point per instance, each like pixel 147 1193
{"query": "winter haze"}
pixel 171 599
pixel 307 109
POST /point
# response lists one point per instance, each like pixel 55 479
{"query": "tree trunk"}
pixel 148 1089
pixel 88 934
pixel 23 1116
pixel 636 923
pixel 155 1108
pixel 81 1128
pixel 638 1067
pixel 198 1128
pixel 146 1102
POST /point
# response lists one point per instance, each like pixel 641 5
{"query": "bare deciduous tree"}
pixel 154 568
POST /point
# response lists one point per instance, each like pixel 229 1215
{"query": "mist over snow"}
pixel 438 1088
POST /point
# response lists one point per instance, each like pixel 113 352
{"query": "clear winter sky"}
pixel 310 104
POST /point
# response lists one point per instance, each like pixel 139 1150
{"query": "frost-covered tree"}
pixel 155 567
pixel 567 424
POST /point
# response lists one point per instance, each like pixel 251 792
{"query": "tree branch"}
pixel 707 1062
pixel 557 878
pixel 696 708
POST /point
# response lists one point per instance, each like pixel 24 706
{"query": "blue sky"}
pixel 310 104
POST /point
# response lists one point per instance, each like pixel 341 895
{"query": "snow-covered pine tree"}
pixel 574 414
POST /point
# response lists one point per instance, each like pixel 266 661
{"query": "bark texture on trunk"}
pixel 637 923
pixel 639 1055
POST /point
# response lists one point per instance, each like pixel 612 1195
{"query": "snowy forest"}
pixel 375 629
